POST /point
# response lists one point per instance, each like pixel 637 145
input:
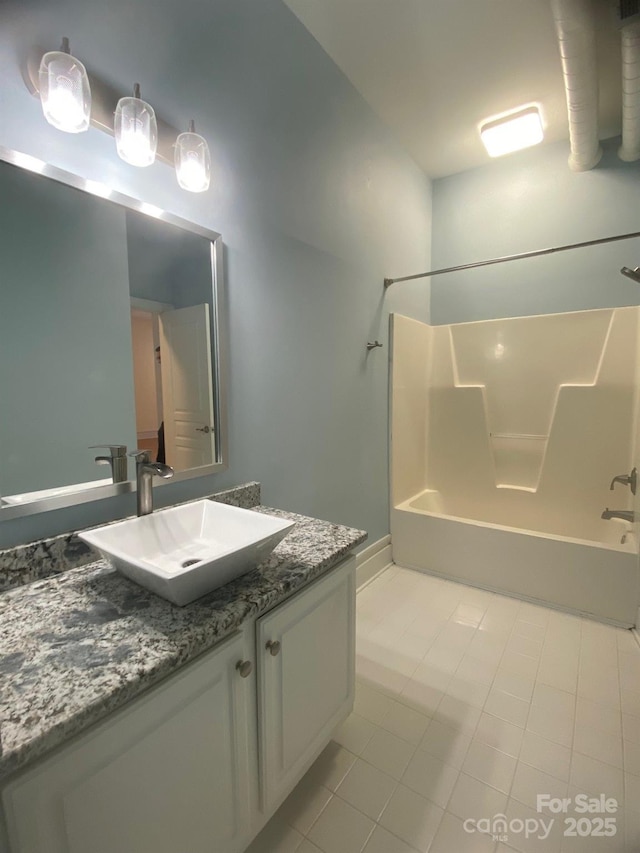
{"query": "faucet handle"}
pixel 117 450
pixel 630 480
pixel 141 456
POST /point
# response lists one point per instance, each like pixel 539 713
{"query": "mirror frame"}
pixel 219 353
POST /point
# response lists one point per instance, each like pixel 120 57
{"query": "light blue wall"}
pixel 528 201
pixel 65 333
pixel 316 203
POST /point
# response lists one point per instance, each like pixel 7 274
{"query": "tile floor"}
pixel 468 705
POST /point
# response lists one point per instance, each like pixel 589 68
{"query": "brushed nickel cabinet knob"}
pixel 274 647
pixel 245 668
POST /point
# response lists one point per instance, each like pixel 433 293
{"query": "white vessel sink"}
pixel 186 551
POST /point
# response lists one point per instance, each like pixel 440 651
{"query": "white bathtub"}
pixel 598 578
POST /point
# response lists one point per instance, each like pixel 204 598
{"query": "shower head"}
pixel 634 274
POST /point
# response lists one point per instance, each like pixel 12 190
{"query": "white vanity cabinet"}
pixel 306 674
pixel 168 773
pixel 181 769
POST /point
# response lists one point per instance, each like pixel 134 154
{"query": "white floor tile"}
pixel 276 837
pixel 405 722
pixel 528 783
pixel 515 684
pixel 529 630
pixel 473 799
pixel 597 716
pixel 341 828
pixel 486 647
pixel 632 829
pixel 474 669
pixel 534 613
pixel 412 818
pixel 499 734
pixel 377 675
pixel 371 704
pixel 422 697
pixel 457 713
pixel 430 777
pixel 598 744
pixel 536 842
pixel 557 702
pixel 468 614
pixel 631 728
pixel 330 767
pixel 448 743
pixel 631 758
pixel 525 646
pixel 303 806
pixel 470 704
pixel 355 733
pixel 519 663
pixel 383 841
pixel 545 755
pixel 453 838
pixel 388 753
pixel 490 766
pixel 307 847
pixel 595 778
pixel 367 789
pixel 554 726
pixel 507 707
pixel 631 701
pixel 468 691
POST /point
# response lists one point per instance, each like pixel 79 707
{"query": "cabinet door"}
pixel 169 774
pixel 306 683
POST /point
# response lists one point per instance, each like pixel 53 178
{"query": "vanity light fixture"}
pixel 136 130
pixel 193 161
pixel 65 92
pixel 512 132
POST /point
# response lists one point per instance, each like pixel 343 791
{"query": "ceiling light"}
pixel 512 132
pixel 64 90
pixel 136 130
pixel 193 163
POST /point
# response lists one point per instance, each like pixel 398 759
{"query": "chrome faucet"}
pixel 624 514
pixel 626 480
pixel 117 460
pixel 145 471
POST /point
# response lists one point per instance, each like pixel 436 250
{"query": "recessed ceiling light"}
pixel 512 132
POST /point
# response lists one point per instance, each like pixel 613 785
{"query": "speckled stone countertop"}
pixel 78 645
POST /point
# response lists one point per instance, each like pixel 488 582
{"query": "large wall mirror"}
pixel 110 335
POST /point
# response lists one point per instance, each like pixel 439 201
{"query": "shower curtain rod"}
pixel 389 281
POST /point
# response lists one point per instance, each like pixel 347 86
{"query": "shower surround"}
pixel 505 436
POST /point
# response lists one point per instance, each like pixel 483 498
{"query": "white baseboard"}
pixel 373 560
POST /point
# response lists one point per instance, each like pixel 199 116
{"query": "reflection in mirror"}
pixel 108 339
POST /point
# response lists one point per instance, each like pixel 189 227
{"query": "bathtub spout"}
pixel 624 514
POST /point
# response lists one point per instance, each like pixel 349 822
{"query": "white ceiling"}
pixel 433 70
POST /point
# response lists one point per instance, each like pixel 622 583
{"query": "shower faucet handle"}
pixel 627 480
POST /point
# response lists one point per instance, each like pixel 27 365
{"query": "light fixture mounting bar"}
pixel 104 100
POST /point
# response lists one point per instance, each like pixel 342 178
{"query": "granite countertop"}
pixel 78 645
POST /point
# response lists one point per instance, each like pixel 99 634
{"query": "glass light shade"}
pixel 193 162
pixel 65 92
pixel 136 131
pixel 513 132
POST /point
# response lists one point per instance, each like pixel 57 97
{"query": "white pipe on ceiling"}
pixel 630 148
pixel 577 41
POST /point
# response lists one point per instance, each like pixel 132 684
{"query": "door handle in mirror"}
pixel 205 429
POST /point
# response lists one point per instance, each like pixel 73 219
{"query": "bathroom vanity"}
pixel 133 725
